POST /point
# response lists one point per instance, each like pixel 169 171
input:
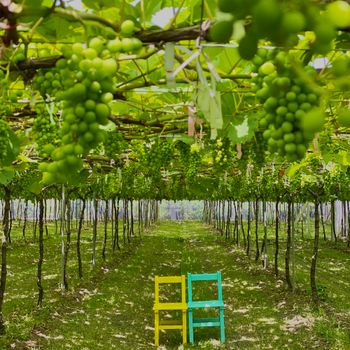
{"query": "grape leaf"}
pixel 231 133
pixel 54 28
pixel 151 9
pixel 184 138
pixel 120 108
pixel 32 4
pixel 109 127
pixel 26 159
pixel 242 128
pixel 12 149
pixel 100 4
pixel 227 101
pixel 110 13
pixel 35 187
pixel 6 175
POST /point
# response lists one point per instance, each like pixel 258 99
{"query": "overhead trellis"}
pixel 179 87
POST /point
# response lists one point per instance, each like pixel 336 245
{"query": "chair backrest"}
pixel 192 277
pixel 170 279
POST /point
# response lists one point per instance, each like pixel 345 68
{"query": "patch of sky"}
pixel 76 4
pixel 160 19
pixel 320 63
pixel 164 16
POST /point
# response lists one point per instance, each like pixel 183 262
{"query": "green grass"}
pixel 333 262
pixel 333 281
pixel 111 308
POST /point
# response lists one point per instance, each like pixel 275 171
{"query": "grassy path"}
pixel 116 311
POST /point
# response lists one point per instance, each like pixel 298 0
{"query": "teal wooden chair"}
pixel 217 304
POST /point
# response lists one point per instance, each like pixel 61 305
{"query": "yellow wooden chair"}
pixel 171 306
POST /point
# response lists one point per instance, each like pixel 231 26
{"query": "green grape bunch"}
pixel 222 154
pixel 9 95
pixel 190 159
pixel 158 155
pixel 165 150
pixel 183 151
pixel 87 80
pixel 48 82
pixel 291 115
pixel 45 132
pixel 193 164
pixel 114 144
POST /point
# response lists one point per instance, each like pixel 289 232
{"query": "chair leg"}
pixel 190 325
pixel 222 326
pixel 184 327
pixel 156 328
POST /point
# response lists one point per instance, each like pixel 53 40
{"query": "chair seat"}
pixel 171 324
pixel 205 304
pixel 170 306
pixel 207 322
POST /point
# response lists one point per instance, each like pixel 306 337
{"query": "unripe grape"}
pixel 313 121
pixel 96 44
pixel 293 22
pixel 343 117
pixel 267 68
pixel 338 12
pixel 127 27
